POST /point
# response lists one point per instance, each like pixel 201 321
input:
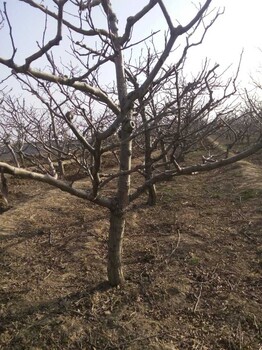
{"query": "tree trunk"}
pixel 165 158
pixel 117 220
pixel 3 192
pixel 115 242
pixel 13 154
pixel 22 159
pixel 152 196
pixel 61 168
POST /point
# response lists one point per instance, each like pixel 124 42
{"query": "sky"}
pixel 239 28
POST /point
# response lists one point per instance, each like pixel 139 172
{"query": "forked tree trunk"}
pixel 115 242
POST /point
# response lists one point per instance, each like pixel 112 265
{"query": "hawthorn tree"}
pixel 150 105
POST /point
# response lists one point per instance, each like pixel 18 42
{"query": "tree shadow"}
pixel 22 236
pixel 50 308
pixel 5 209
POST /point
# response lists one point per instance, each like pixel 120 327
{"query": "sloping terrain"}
pixel 193 266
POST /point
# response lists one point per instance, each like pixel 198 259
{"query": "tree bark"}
pixel 165 158
pixel 3 192
pixel 152 196
pixel 13 154
pixel 117 220
pixel 61 168
pixel 115 243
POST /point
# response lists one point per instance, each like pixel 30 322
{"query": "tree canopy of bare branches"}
pixel 107 92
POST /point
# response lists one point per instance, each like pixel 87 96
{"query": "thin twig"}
pixel 198 298
pixel 177 244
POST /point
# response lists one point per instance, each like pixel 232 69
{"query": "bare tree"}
pixel 3 192
pixel 149 105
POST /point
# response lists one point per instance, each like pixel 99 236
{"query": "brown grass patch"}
pixel 193 267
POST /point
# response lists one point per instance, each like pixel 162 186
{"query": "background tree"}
pixel 150 103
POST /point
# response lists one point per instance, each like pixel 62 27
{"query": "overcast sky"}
pixel 240 27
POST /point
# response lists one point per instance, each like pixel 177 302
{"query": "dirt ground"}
pixel 193 267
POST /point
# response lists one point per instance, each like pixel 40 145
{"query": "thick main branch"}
pixel 80 86
pixel 62 185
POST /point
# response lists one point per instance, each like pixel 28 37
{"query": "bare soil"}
pixel 193 267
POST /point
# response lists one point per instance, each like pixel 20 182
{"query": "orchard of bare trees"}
pixel 101 90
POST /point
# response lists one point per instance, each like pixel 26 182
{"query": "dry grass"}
pixel 193 267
